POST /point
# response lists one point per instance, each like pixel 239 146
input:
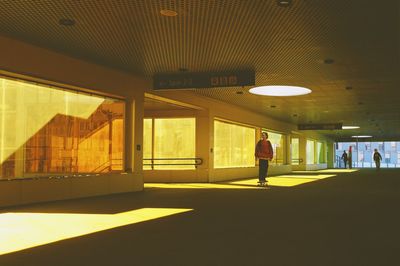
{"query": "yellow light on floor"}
pixel 327 171
pixel 284 180
pixel 20 231
pixel 201 185
pixel 278 181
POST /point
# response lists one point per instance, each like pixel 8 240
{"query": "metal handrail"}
pixel 299 160
pixel 198 161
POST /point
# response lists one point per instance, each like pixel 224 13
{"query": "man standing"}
pixel 263 153
pixel 377 159
pixel 344 158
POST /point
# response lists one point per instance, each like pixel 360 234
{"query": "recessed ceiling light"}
pixel 66 22
pixel 279 90
pixel 350 127
pixel 168 13
pixel 283 3
pixel 361 137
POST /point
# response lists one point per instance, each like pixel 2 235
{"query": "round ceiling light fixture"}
pixel 283 3
pixel 361 137
pixel 279 90
pixel 350 127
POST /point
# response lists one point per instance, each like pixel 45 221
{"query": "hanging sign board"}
pixel 203 80
pixel 319 126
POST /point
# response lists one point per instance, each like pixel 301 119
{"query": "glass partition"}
pixel 321 156
pixel 362 153
pixel 277 140
pixel 310 152
pixel 234 145
pixel 171 140
pixel 295 151
pixel 46 131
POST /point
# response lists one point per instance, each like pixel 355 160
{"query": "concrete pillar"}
pixel 137 148
pixel 303 152
pixel 330 154
pixel 128 145
pixel 288 150
pixel 203 147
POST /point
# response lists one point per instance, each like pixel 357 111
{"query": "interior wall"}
pixel 217 109
pixel 27 62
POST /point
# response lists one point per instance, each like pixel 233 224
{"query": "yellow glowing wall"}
pixel 170 138
pixel 295 151
pixel 310 152
pixel 278 145
pixel 321 158
pixel 45 130
pixel 234 145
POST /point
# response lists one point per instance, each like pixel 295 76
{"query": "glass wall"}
pixel 278 145
pixel 234 145
pixel 147 143
pixel 362 153
pixel 295 151
pixel 167 138
pixel 310 152
pixel 321 154
pixel 45 131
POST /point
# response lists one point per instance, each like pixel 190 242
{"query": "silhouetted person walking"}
pixel 377 159
pixel 263 153
pixel 344 158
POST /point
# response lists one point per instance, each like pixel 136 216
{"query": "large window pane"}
pixel 233 145
pixel 363 153
pixel 174 138
pixel 295 151
pixel 277 141
pixel 147 142
pixel 49 131
pixel 310 152
pixel 321 152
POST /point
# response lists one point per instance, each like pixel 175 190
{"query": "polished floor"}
pixel 308 218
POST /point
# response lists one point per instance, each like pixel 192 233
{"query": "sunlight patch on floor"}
pixel 278 181
pixel 284 180
pixel 201 185
pixel 20 231
pixel 338 171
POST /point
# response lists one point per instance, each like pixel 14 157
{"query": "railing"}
pixel 197 161
pixel 339 161
pixel 296 161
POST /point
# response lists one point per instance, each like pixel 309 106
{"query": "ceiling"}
pixel 284 45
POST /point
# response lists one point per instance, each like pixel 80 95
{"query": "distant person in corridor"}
pixel 377 159
pixel 263 153
pixel 344 158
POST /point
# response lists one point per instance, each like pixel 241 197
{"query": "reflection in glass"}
pixel 49 131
